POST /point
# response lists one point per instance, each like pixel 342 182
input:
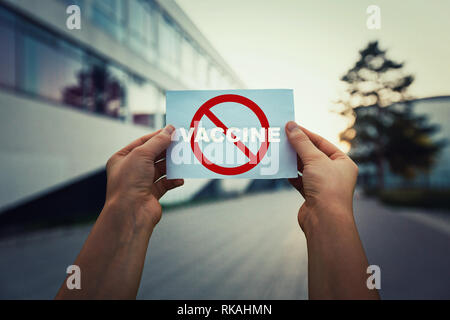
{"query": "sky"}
pixel 308 45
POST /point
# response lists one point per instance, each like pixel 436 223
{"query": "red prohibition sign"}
pixel 205 110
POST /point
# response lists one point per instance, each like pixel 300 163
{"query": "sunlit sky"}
pixel 308 45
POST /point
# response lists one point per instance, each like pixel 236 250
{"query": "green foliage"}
pixel 385 129
pixel 423 198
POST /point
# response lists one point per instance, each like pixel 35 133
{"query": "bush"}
pixel 423 198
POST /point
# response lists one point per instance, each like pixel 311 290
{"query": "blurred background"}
pixel 70 98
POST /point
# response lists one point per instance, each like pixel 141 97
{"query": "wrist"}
pixel 327 220
pixel 127 214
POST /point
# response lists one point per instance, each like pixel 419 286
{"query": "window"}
pixel 169 46
pixel 188 61
pixel 115 92
pixel 142 102
pixel 223 81
pixel 108 15
pixel 79 3
pixel 105 89
pixel 161 101
pixel 55 69
pixel 160 120
pixel 214 77
pixel 37 61
pixel 8 51
pixel 52 70
pixel 202 70
pixel 142 25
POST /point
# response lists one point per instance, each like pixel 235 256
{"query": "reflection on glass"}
pixel 142 27
pixel 142 102
pixel 79 3
pixel 40 62
pixel 7 56
pixel 202 69
pixel 188 61
pixel 144 119
pixel 214 77
pixel 104 90
pixel 48 72
pixel 169 46
pixel 161 111
pixel 108 15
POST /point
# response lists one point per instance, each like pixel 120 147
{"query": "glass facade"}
pixel 49 68
pixel 8 52
pixel 38 62
pixel 143 29
pixel 108 15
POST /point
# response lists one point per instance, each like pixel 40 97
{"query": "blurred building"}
pixel 437 111
pixel 70 98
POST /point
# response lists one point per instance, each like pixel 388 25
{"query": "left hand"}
pixel 134 183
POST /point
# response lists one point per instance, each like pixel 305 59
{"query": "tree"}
pixel 385 130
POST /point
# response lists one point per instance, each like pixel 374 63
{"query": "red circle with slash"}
pixel 205 110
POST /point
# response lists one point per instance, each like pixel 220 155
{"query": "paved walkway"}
pixel 245 248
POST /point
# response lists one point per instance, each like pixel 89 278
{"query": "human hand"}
pixel 328 178
pixel 117 244
pixel 136 178
pixel 337 263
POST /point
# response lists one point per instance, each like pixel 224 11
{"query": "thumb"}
pixel 159 143
pixel 305 149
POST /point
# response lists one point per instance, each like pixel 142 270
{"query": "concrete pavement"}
pixel 245 248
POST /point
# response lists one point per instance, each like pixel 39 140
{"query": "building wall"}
pixel 45 146
pixel 70 98
pixel 437 110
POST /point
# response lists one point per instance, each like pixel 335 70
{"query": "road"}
pixel 245 248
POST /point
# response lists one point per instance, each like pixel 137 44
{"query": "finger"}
pixel 297 183
pixel 136 143
pixel 158 144
pixel 161 157
pixel 160 187
pixel 305 149
pixel 300 165
pixel 160 169
pixel 323 144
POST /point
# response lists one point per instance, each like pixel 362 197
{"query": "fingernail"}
pixel 291 126
pixel 169 129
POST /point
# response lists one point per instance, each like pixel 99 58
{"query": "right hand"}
pixel 328 178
